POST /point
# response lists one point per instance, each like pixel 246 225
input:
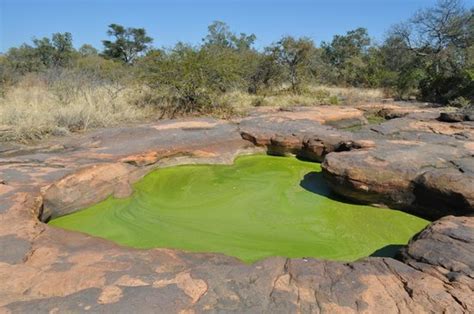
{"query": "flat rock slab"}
pixel 411 162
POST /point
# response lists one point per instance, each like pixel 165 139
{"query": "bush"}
pixel 294 55
pixel 460 102
pixel 6 76
pixel 192 78
pixel 445 88
pixel 265 75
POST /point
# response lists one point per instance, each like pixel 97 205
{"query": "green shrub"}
pixel 258 101
pixel 460 102
pixel 192 78
pixel 333 100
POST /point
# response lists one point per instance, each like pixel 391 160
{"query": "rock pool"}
pixel 258 207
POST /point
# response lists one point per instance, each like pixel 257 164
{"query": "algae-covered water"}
pixel 259 207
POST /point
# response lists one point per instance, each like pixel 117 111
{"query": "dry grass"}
pixel 33 111
pixel 243 101
pixel 34 108
pixel 311 96
pixel 353 95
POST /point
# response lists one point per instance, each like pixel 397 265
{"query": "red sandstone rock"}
pixel 44 269
pixel 85 188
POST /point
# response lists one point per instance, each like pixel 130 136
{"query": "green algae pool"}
pixel 259 207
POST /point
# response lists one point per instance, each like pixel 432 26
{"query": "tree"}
pixel 44 49
pixel 294 55
pixel 232 54
pixel 63 49
pixel 129 43
pixel 55 52
pixel 403 68
pixel 346 54
pixel 24 59
pixel 87 50
pixel 219 35
pixel 441 37
pixel 266 73
pixel 344 47
pixel 192 76
pixel 244 41
pixel 430 31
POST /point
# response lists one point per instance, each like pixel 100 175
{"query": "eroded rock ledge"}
pixel 414 163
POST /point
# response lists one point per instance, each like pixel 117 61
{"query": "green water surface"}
pixel 261 206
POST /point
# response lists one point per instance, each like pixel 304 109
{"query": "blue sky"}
pixel 185 20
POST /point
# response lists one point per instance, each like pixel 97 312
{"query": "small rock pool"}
pixel 260 206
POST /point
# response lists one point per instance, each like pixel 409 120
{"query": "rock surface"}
pixel 414 162
pixel 459 115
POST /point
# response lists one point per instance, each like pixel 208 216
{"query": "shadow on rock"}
pixel 314 182
pixel 391 250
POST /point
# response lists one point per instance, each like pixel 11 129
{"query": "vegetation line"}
pixel 48 87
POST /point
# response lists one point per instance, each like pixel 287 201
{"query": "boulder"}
pixel 451 116
pixel 451 236
pixel 416 164
pixel 413 176
pixel 305 138
pixel 85 188
pixel 449 190
pixel 459 115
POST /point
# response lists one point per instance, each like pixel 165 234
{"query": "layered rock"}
pixel 413 163
pixel 454 237
pixel 302 138
pixel 301 132
pixel 406 175
pixel 416 163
